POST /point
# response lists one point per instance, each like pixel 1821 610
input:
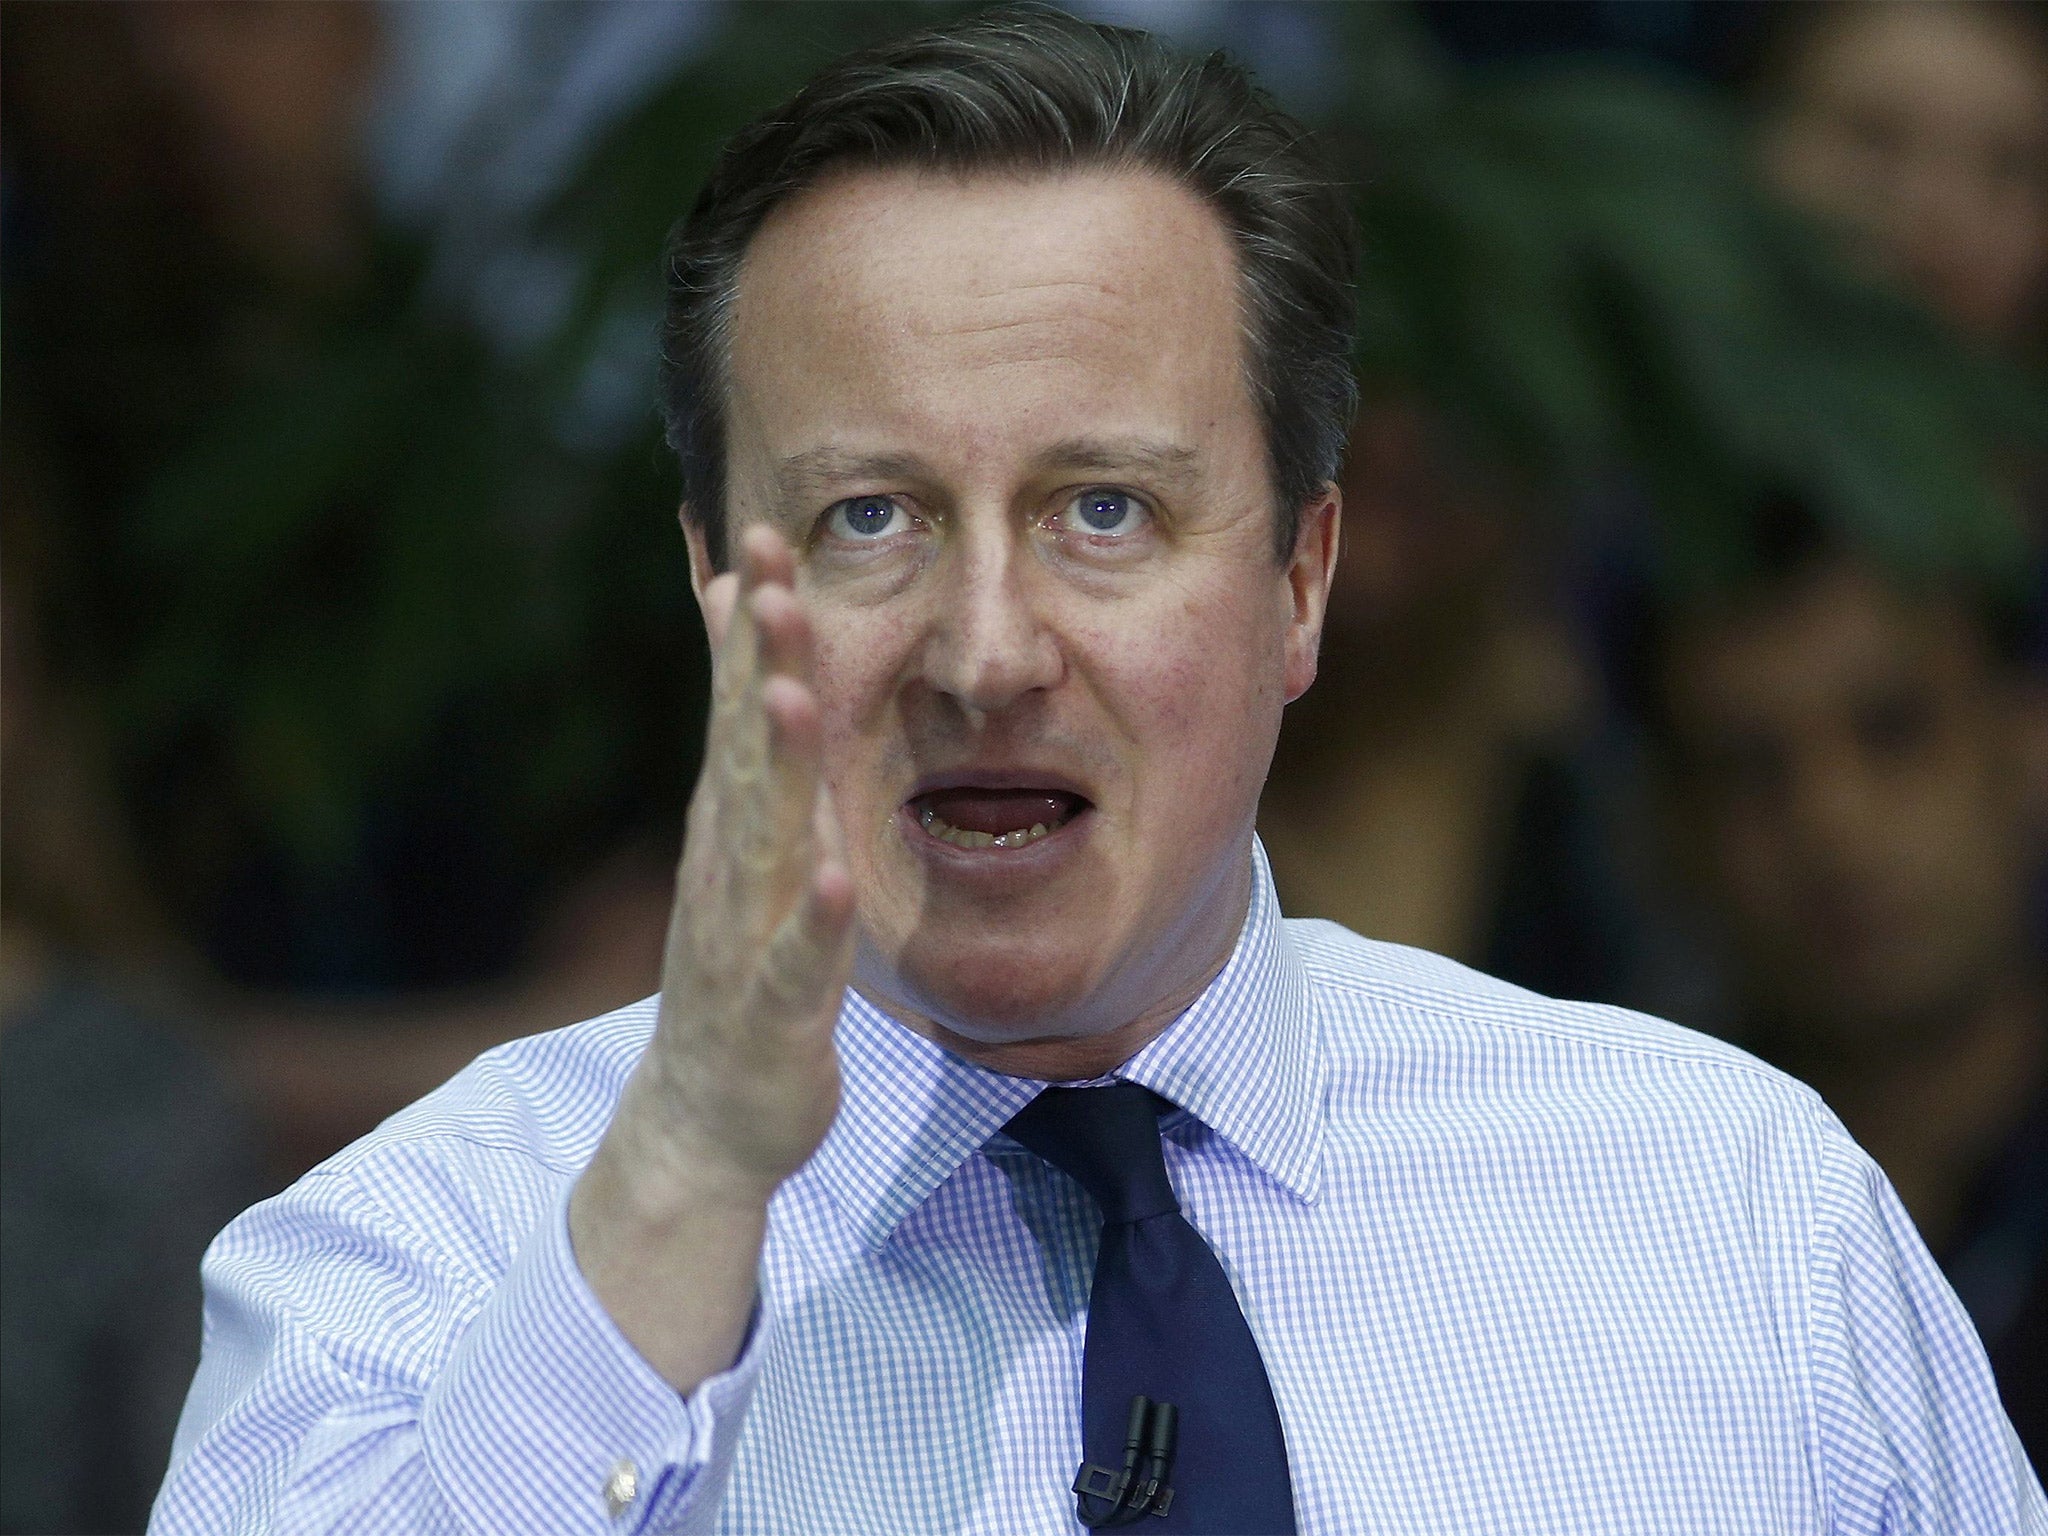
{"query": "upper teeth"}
pixel 963 837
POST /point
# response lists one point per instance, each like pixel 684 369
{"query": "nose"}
pixel 990 645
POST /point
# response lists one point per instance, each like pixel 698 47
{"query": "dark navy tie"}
pixel 1163 1328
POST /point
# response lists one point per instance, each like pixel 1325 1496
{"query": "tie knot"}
pixel 1107 1139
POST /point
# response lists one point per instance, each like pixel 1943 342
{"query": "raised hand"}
pixel 758 946
pixel 740 1082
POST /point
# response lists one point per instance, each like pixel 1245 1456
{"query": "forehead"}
pixel 899 300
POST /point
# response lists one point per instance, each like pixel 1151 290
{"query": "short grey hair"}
pixel 1036 89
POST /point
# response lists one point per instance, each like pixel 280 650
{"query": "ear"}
pixel 1309 573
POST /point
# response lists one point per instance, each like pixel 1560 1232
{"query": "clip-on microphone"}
pixel 1140 1487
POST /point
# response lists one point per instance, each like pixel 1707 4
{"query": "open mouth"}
pixel 995 818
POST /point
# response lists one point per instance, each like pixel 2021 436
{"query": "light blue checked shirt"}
pixel 1514 1265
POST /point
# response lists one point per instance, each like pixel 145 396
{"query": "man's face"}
pixel 1854 787
pixel 1003 420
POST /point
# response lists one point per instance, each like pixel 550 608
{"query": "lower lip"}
pixel 1034 858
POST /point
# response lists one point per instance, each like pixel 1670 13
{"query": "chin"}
pixel 994 994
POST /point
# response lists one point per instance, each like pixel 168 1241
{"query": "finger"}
pixel 763 766
pixel 795 720
pixel 783 630
pixel 736 740
pixel 763 627
pixel 734 614
pixel 720 596
pixel 766 556
pixel 705 876
pixel 747 855
pixel 768 757
pixel 734 641
pixel 796 743
pixel 807 962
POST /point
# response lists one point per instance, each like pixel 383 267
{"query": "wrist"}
pixel 665 1165
pixel 672 1259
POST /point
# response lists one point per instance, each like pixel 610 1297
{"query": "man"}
pixel 1008 367
pixel 1855 761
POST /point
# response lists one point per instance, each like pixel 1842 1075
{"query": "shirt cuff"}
pixel 546 1418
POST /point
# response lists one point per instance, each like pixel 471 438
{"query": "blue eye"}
pixel 1105 511
pixel 863 517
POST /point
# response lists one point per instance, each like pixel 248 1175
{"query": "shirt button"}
pixel 621 1488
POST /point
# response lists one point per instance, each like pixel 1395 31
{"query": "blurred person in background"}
pixel 1921 131
pixel 1921 127
pixel 194 1008
pixel 264 455
pixel 1851 763
pixel 124 1147
pixel 1431 790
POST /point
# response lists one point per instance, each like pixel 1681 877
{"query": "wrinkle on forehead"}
pixel 1066 318
pixel 998 266
pixel 1060 295
pixel 1008 322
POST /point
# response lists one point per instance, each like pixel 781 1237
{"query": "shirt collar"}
pixel 1245 1059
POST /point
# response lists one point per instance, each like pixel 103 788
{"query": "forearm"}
pixel 669 1246
pixel 741 1081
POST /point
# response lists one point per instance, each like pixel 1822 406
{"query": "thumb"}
pixel 720 597
pixel 829 836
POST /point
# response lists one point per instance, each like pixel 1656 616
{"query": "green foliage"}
pixel 381 538
pixel 1575 263
pixel 644 173
pixel 391 534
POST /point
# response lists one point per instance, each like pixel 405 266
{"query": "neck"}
pixel 1072 1058
pixel 1084 1044
pixel 1934 1115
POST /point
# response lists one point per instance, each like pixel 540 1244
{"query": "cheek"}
pixel 855 668
pixel 1750 864
pixel 1957 831
pixel 1198 683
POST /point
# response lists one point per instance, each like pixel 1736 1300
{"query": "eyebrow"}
pixel 818 467
pixel 1118 455
pixel 815 468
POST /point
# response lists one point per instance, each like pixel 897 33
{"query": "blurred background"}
pixel 1686 655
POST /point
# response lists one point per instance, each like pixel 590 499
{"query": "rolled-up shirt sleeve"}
pixel 402 1342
